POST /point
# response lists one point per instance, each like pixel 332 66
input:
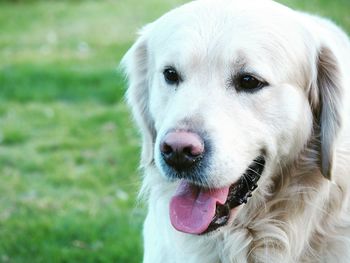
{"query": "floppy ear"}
pixel 135 65
pixel 326 101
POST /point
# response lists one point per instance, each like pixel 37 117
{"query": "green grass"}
pixel 68 183
pixel 68 149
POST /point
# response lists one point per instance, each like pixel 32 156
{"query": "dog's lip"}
pixel 239 193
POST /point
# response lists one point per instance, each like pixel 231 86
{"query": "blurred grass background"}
pixel 68 149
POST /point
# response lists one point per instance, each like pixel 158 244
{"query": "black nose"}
pixel 182 149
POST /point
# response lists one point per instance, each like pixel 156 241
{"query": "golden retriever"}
pixel 244 113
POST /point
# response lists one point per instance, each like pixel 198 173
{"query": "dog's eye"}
pixel 249 83
pixel 171 76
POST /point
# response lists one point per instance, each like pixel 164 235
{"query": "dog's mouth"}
pixel 199 210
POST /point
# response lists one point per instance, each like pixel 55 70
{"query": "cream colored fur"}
pixel 300 212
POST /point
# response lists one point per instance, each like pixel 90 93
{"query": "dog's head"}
pixel 220 90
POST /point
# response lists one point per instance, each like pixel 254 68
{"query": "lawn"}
pixel 68 148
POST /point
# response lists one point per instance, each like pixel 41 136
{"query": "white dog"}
pixel 243 110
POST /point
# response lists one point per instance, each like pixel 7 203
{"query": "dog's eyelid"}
pixel 251 73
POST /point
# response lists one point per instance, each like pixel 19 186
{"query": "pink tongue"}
pixel 192 208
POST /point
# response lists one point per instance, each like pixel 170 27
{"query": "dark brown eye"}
pixel 171 76
pixel 249 83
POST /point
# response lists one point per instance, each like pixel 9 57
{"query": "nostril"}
pixel 192 151
pixel 166 148
pixel 188 151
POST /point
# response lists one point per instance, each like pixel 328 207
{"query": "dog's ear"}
pixel 135 65
pixel 326 102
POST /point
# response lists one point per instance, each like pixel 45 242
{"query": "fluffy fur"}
pixel 300 211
